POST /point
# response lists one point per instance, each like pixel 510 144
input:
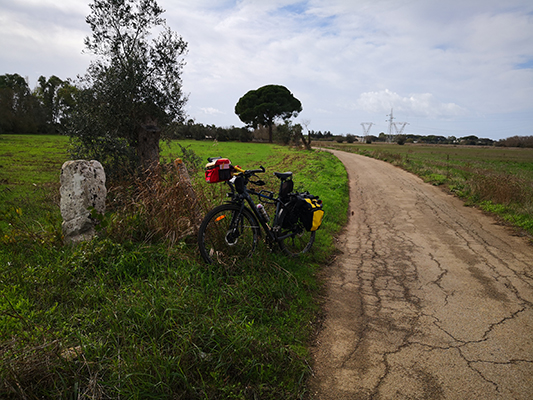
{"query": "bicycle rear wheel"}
pixel 227 234
pixel 292 237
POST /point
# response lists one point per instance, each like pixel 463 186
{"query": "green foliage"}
pixel 20 111
pixel 401 139
pixel 47 93
pixel 41 111
pixel 435 179
pixel 264 105
pixel 132 91
pixel 198 131
pixel 287 133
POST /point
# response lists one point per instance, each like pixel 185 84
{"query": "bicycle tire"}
pixel 296 239
pixel 218 240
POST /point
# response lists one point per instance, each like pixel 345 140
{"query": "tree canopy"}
pixel 133 90
pixel 20 112
pixel 266 104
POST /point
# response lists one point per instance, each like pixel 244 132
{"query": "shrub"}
pixel 516 141
pixel 401 139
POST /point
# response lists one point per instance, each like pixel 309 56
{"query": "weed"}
pixel 159 206
pixel 435 179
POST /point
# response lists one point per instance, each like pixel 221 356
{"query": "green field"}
pixel 143 319
pixel 133 315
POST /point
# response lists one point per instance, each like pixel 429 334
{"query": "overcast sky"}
pixel 450 68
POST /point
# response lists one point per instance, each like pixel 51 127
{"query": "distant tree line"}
pixel 516 141
pixel 198 131
pixel 436 139
pixel 286 133
pixel 41 110
pixel 49 107
pixel 472 140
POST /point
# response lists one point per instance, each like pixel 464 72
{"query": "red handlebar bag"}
pixel 218 171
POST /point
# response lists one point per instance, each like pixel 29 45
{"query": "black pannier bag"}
pixel 289 213
pixel 306 208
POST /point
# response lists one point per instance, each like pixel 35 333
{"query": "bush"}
pixel 401 139
pixel 516 141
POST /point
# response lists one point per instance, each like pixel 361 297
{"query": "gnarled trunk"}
pixel 148 144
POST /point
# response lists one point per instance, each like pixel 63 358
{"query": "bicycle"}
pixel 231 230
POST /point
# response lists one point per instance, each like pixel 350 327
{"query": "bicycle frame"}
pixel 223 244
pixel 245 197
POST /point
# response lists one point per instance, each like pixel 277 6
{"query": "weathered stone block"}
pixel 82 188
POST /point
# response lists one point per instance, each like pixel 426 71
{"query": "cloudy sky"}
pixel 450 68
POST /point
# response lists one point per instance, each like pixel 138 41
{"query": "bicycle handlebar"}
pixel 248 171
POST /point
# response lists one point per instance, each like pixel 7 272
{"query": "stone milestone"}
pixel 82 189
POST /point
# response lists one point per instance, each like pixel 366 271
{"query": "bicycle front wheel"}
pixel 227 234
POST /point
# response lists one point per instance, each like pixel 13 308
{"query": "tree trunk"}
pixel 148 145
pixel 307 143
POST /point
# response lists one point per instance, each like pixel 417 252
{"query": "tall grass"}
pixel 112 320
pixel 136 314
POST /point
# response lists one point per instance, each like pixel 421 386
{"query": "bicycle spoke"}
pixel 226 235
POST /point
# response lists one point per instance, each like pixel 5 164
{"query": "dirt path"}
pixel 429 300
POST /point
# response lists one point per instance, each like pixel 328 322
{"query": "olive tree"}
pixel 266 104
pixel 133 90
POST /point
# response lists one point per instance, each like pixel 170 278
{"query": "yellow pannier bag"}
pixel 311 212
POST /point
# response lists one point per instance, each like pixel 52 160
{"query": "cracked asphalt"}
pixel 428 299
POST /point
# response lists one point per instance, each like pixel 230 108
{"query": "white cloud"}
pixel 417 105
pixel 211 111
pixel 347 61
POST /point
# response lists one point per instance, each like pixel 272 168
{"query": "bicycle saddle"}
pixel 283 175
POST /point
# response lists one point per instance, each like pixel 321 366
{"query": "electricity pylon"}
pixel 402 126
pixel 366 127
pixel 391 122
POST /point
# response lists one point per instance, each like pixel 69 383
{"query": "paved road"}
pixel 429 300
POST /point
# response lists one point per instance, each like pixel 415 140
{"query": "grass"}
pixel 318 173
pixel 136 315
pixel 30 166
pixel 497 180
pixel 132 316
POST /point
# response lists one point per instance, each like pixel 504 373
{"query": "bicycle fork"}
pixel 234 231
